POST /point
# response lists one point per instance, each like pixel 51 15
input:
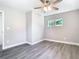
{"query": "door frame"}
pixel 2 28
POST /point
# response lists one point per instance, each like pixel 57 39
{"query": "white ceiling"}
pixel 26 5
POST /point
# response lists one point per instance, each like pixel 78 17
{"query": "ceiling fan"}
pixel 49 5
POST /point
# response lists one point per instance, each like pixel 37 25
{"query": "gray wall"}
pixel 69 32
pixel 15 27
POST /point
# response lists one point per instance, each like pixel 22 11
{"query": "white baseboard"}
pixel 14 45
pixel 33 43
pixel 30 43
pixel 70 43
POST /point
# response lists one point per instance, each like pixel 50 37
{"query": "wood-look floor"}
pixel 0 47
pixel 42 50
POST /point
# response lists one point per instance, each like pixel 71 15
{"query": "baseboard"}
pixel 70 43
pixel 30 43
pixel 7 47
pixel 33 43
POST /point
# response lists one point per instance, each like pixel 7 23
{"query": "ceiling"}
pixel 27 5
pixel 24 5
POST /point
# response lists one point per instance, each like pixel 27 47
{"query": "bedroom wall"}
pixel 69 32
pixel 15 27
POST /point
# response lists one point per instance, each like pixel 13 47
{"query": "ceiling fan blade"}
pixel 55 8
pixel 57 1
pixel 43 1
pixel 37 7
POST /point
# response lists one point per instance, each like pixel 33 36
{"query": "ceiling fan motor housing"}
pixel 45 1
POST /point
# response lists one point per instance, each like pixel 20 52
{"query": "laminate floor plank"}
pixel 42 50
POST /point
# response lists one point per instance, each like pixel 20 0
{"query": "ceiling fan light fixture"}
pixel 49 5
pixel 45 9
pixel 49 8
